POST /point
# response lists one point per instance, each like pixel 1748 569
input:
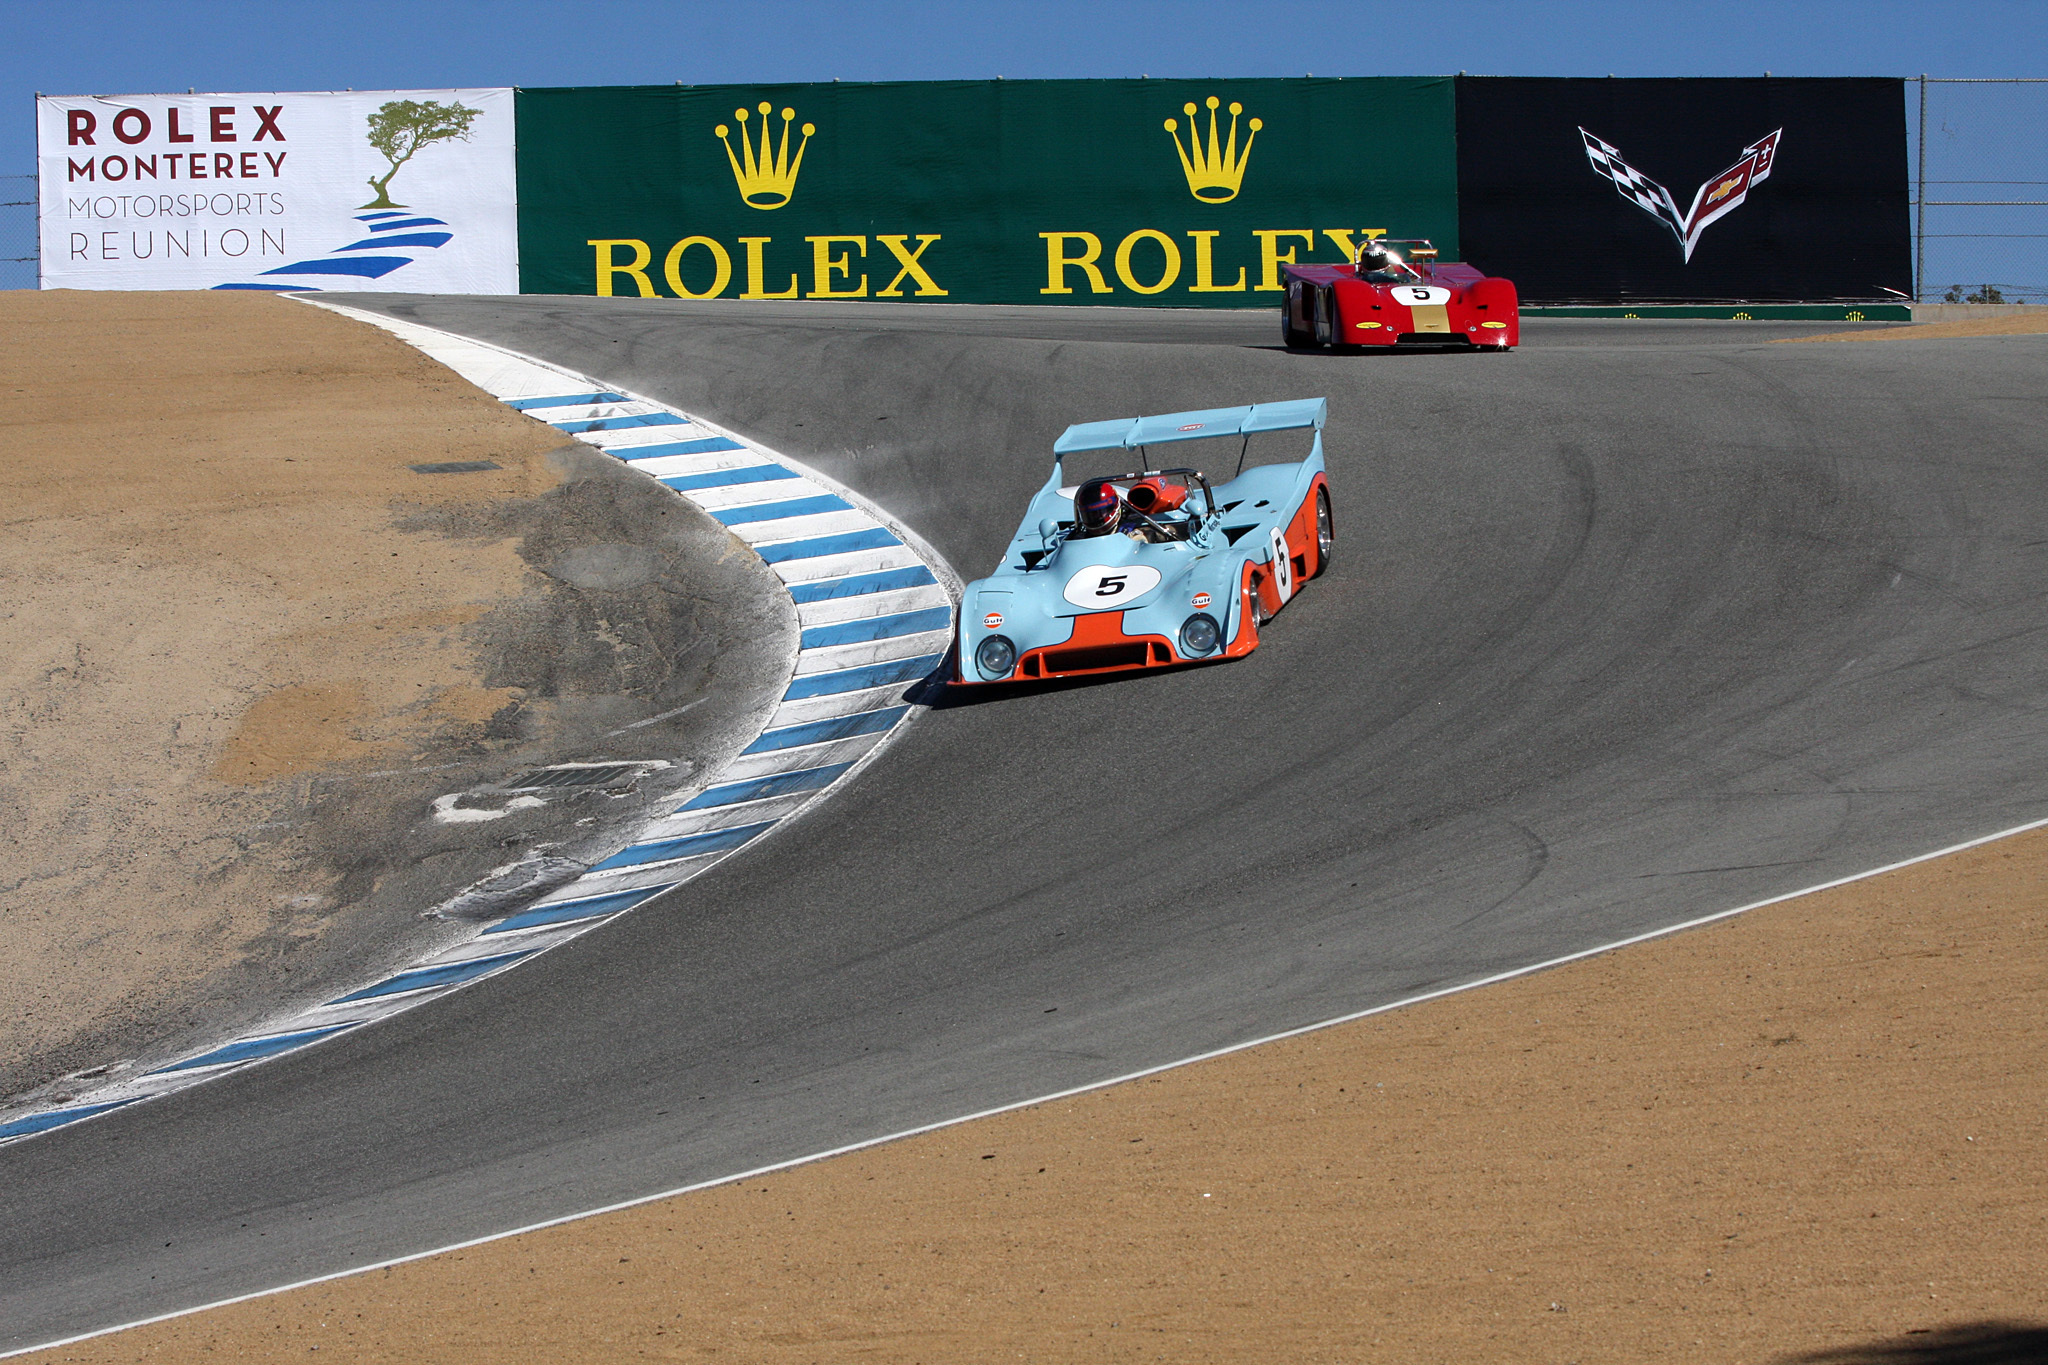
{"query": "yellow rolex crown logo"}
pixel 767 178
pixel 1214 172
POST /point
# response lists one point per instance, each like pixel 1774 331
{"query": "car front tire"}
pixel 1292 337
pixel 1329 326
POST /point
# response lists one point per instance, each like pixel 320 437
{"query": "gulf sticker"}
pixel 992 620
pixel 1201 600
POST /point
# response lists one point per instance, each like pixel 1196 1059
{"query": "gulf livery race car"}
pixel 1387 297
pixel 1154 566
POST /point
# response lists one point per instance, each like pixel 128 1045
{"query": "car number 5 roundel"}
pixel 1415 295
pixel 1106 587
pixel 1283 566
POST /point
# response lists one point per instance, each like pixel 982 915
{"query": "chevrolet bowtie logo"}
pixel 1214 172
pixel 766 180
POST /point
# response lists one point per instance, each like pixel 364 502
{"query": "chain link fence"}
pixel 1980 190
pixel 17 232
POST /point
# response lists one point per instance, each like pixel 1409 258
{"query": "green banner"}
pixel 1173 193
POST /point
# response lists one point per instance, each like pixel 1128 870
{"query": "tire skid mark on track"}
pixel 874 606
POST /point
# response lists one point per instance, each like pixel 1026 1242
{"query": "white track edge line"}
pixel 793 1162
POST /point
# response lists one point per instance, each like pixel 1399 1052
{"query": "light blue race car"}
pixel 1154 567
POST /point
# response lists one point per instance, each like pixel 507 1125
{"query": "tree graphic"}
pixel 402 127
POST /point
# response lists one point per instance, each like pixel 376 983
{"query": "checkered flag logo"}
pixel 1714 200
pixel 1645 193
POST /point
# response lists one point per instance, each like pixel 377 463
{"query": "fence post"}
pixel 1920 203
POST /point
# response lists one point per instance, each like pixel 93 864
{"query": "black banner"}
pixel 1707 190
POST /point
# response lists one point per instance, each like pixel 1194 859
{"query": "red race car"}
pixel 1389 297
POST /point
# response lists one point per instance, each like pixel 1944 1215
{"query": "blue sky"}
pixel 97 47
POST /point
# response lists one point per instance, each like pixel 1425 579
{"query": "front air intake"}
pixel 1089 658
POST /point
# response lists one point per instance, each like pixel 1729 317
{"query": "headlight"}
pixel 995 657
pixel 1199 634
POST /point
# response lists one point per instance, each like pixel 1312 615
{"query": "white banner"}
pixel 409 190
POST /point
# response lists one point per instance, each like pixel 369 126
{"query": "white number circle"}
pixel 1416 294
pixel 1283 567
pixel 1101 587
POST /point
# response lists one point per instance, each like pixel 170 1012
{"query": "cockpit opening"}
pixel 1151 506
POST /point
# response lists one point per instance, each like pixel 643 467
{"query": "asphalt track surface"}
pixel 1640 622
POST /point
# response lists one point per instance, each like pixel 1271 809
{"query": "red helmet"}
pixel 1097 508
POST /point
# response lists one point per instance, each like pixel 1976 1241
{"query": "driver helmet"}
pixel 1374 257
pixel 1097 508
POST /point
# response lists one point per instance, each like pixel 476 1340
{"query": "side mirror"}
pixel 1047 529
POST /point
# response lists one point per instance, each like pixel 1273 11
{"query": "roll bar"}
pixel 1209 504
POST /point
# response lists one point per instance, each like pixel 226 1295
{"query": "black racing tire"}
pixel 1292 337
pixel 1326 532
pixel 1328 328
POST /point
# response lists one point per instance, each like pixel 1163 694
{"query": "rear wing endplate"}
pixel 1192 426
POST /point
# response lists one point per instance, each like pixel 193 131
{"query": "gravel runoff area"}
pixel 245 642
pixel 2007 325
pixel 1810 1133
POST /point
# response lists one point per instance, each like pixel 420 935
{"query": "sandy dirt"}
pixel 241 640
pixel 1813 1132
pixel 2012 324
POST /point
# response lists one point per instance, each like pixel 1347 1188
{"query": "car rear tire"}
pixel 1326 535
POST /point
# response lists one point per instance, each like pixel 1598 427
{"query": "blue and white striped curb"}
pixel 372 258
pixel 875 607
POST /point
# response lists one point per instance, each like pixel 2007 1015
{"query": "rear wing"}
pixel 1130 432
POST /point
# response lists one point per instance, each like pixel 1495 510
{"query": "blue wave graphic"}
pixel 401 222
pixel 404 239
pixel 339 262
